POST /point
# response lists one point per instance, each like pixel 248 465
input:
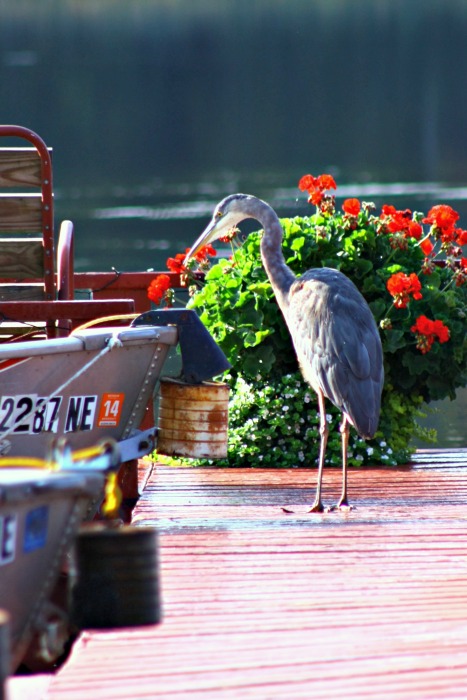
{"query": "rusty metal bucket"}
pixel 193 419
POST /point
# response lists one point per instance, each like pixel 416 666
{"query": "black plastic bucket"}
pixel 117 578
pixel 5 655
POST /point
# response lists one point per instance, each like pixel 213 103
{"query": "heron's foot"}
pixel 317 507
pixel 287 510
pixel 342 505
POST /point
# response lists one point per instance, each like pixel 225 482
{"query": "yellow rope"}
pixel 25 463
pixel 113 496
pixel 38 463
pixel 106 319
pixel 113 493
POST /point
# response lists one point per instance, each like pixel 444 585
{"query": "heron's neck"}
pixel 280 275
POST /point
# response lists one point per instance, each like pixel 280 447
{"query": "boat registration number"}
pixel 31 414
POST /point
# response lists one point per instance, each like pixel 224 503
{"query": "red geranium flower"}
pixel 442 216
pixel 400 286
pixel 202 255
pixel 316 187
pixel 427 246
pixel 307 182
pixel 427 331
pixel 461 237
pixel 230 235
pixel 176 264
pixel 351 207
pixel 400 221
pixel 415 230
pixel 326 182
pixel 158 288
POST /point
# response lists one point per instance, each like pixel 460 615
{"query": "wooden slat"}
pixel 21 258
pixel 259 604
pixel 22 292
pixel 133 285
pixel 52 310
pixel 20 213
pixel 20 167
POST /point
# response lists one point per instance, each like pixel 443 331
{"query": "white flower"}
pixel 370 450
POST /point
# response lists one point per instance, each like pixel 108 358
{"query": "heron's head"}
pixel 227 214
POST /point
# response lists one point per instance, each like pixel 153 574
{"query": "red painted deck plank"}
pixel 259 604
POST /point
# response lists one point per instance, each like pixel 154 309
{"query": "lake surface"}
pixel 156 109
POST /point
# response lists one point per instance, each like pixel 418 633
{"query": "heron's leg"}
pixel 317 506
pixel 343 502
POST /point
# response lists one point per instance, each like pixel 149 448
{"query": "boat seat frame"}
pixel 37 288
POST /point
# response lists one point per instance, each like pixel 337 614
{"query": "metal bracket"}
pixel 202 358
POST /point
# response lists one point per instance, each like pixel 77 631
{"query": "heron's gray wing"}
pixel 338 344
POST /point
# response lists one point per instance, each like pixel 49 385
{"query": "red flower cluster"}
pixel 176 264
pixel 400 222
pixel 230 235
pixel 443 219
pixel 442 216
pixel 158 288
pixel 401 286
pixel 316 187
pixel 427 331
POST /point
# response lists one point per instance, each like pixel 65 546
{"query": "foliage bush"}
pixel 414 282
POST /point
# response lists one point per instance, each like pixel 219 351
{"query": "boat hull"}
pixel 90 386
pixel 40 513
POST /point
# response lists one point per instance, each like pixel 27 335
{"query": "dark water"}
pixel 158 108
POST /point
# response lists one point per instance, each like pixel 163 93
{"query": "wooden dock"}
pixel 260 605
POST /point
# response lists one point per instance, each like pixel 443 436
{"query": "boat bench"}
pixel 36 285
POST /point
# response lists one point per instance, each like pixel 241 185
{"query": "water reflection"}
pixel 448 418
pixel 135 228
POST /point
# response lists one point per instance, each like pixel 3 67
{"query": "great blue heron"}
pixel 333 330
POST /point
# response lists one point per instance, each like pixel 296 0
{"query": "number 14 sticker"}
pixel 110 410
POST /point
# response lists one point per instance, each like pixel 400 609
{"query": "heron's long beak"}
pixel 209 234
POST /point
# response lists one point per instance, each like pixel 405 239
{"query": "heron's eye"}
pixel 219 214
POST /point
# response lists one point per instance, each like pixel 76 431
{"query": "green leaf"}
pixel 393 340
pixel 362 267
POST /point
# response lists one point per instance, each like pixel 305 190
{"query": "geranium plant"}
pixel 412 271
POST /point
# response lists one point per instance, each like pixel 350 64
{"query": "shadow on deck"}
pixel 261 604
